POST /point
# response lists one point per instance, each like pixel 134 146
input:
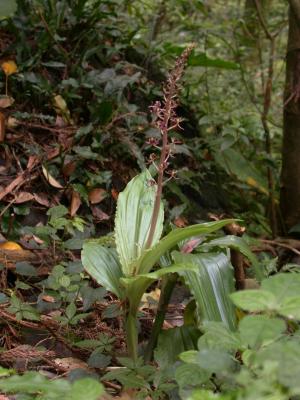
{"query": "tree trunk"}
pixel 290 174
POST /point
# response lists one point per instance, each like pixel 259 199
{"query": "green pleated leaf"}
pixel 133 220
pixel 239 244
pixel 151 256
pixel 103 265
pixel 211 286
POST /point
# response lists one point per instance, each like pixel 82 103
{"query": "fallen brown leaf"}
pixel 23 197
pixel 180 222
pixel 48 299
pixel 75 203
pixel 69 363
pixel 97 195
pixel 6 101
pixel 69 168
pixel 99 214
pixel 42 199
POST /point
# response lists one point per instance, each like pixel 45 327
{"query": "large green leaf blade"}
pixel 236 164
pixel 103 265
pixel 151 256
pixel 202 60
pixel 239 244
pixel 211 286
pixel 133 220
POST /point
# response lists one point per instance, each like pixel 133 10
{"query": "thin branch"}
pixel 262 20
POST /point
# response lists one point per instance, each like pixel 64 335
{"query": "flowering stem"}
pixel 166 119
pixel 161 166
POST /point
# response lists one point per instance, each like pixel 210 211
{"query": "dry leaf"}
pixel 42 199
pixel 61 108
pixel 70 363
pixel 69 168
pixel 60 122
pixel 12 122
pixel 53 182
pixel 75 203
pixel 180 222
pixel 114 194
pixel 6 101
pixel 48 299
pixel 23 197
pixel 150 300
pixel 2 127
pixel 9 67
pixel 37 239
pixel 99 214
pixel 60 104
pixel 97 195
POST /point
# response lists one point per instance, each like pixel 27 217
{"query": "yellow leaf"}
pixel 10 246
pixel 252 182
pixel 60 103
pixel 9 67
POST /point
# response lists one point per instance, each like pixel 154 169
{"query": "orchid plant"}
pixel 126 268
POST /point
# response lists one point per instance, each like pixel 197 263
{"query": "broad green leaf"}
pixel 282 285
pixel 211 360
pixel 285 288
pixel 290 307
pixel 98 360
pixel 103 265
pixel 133 220
pixel 257 330
pixel 235 164
pixel 191 376
pixel 155 275
pixel 189 356
pixel 7 8
pixel 202 60
pixel 240 245
pixel 211 286
pixel 218 336
pixel 25 268
pixel 209 395
pixel 85 388
pixel 254 300
pixel 151 256
pixel 32 382
pixel 137 285
pixel 172 342
pixel 286 354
